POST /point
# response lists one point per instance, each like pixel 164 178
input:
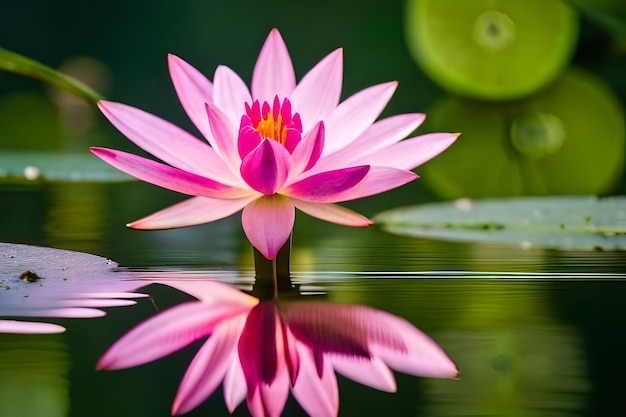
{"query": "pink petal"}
pixel 209 366
pixel 29 327
pixel 325 186
pixel 168 177
pixel 332 213
pixel 377 137
pixel 267 167
pixel 165 140
pixel 167 332
pixel 378 180
pixel 260 353
pixel 196 210
pixel 308 151
pixel 318 92
pixel 405 348
pixel 354 115
pixel 194 91
pixel 235 387
pixel 248 139
pixel 273 73
pixel 269 400
pixel 224 137
pixel 410 153
pixel 371 372
pixel 317 396
pixel 268 222
pixel 230 93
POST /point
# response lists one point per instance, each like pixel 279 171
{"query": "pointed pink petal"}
pixel 194 91
pixel 410 153
pixel 354 115
pixel 209 366
pixel 234 386
pixel 247 140
pixel 377 137
pixel 267 167
pixel 268 222
pixel 166 332
pixel 29 327
pixel 273 72
pixel 230 93
pixel 168 177
pixel 269 400
pixel 308 151
pixel 332 213
pixel 318 92
pixel 260 353
pixel 378 180
pixel 166 141
pixel 190 212
pixel 224 137
pixel 317 396
pixel 371 372
pixel 325 186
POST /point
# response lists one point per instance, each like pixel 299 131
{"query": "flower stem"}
pixel 273 276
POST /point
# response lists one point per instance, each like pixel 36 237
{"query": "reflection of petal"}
pixel 235 386
pixel 209 366
pixel 166 333
pixel 28 327
pixel 317 396
pixel 371 372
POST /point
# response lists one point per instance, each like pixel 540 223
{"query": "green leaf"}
pixel 27 166
pixel 12 62
pixel 563 222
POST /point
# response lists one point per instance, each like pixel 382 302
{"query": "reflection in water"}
pixel 262 349
pixel 33 376
pixel 62 284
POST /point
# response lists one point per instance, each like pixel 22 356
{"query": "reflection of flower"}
pixel 321 152
pixel 261 349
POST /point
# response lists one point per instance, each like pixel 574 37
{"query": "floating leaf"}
pixel 46 282
pixel 27 166
pixel 565 222
pixel 10 61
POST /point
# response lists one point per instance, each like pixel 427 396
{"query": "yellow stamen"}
pixel 271 128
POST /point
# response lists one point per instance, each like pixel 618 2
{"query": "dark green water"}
pixel 533 332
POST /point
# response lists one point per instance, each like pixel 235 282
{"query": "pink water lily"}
pixel 271 149
pixel 262 350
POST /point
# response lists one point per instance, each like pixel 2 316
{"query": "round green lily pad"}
pixel 568 139
pixel 491 49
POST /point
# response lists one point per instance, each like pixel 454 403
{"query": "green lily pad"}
pixel 568 139
pixel 562 222
pixel 27 166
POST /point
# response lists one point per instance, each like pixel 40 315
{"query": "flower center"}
pixel 275 122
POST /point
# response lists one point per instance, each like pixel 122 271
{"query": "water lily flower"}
pixel 271 149
pixel 261 350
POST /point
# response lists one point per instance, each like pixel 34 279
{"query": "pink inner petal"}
pixel 267 167
pixel 309 149
pixel 378 180
pixel 326 186
pixel 268 222
pixel 273 72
